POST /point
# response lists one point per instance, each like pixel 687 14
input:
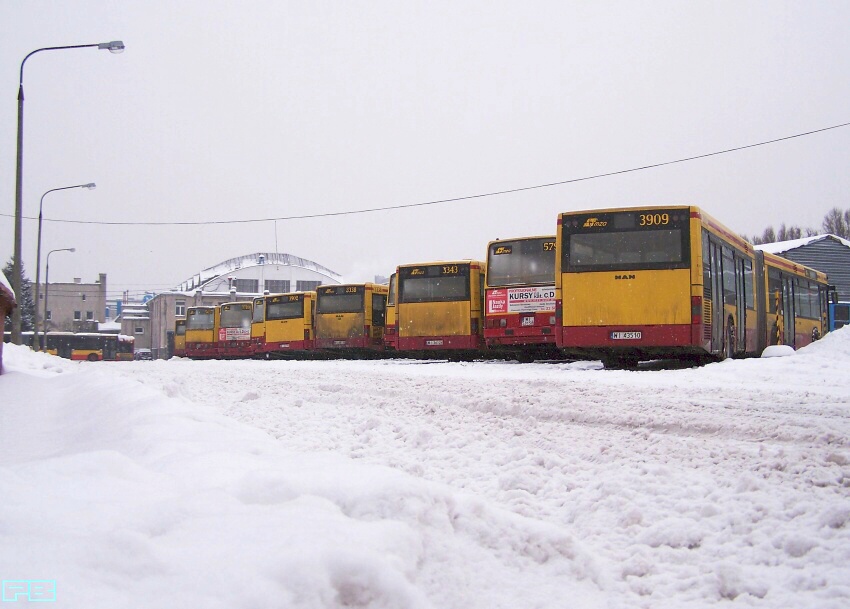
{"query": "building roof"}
pixel 250 260
pixel 780 247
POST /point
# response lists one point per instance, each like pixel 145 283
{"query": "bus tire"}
pixel 815 334
pixel 93 357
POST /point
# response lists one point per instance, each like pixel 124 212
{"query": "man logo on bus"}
pixel 503 249
pixel 594 222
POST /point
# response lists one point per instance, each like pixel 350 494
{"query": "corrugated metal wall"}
pixel 829 256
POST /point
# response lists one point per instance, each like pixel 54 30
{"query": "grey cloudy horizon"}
pixel 224 111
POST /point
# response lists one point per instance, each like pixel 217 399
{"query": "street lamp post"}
pixel 46 290
pixel 89 186
pixel 116 46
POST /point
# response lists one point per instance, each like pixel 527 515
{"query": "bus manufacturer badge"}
pixel 625 335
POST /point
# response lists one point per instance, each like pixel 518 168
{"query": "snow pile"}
pixel 127 498
pixel 423 484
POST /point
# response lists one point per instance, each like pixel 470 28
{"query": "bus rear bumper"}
pixel 655 341
pixel 438 343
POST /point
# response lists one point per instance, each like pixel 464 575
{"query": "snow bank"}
pixel 128 498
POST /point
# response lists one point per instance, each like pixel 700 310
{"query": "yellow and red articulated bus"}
pixel 201 332
pixel 661 282
pixel 797 302
pixel 351 317
pixel 86 346
pixel 519 315
pixel 180 338
pixel 391 329
pixel 440 308
pixel 287 324
pixel 234 329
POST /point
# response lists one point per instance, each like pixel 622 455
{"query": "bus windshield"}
pixel 521 262
pixel 627 241
pixel 343 299
pixel 201 319
pixel 436 283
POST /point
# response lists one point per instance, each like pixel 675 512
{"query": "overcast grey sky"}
pixel 234 111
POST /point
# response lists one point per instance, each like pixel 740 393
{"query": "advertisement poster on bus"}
pixel 521 300
pixel 226 334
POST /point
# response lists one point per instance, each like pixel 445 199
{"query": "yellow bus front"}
pixel 439 306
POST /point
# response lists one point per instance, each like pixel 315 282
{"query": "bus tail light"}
pixel 366 330
pixel 306 334
pixel 696 310
pixel 559 312
pixel 474 326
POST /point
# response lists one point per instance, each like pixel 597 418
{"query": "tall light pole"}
pixel 116 46
pixel 46 291
pixel 89 186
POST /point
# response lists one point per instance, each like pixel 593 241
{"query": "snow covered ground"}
pixel 398 484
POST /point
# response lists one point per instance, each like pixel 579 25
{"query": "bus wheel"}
pixel 729 342
pixel 815 334
pixel 92 357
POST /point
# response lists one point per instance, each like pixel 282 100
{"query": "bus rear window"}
pixel 285 310
pixel 521 262
pixel 440 283
pixel 236 317
pixel 342 299
pixel 643 239
pixel 200 320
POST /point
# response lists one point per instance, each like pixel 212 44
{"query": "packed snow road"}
pixel 687 488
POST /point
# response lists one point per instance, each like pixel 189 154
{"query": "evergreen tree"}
pixel 25 301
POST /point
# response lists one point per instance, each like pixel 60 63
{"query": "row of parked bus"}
pixel 621 285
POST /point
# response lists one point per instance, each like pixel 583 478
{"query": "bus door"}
pixel 741 303
pixel 788 312
pixel 716 297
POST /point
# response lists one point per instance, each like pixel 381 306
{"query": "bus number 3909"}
pixel 654 219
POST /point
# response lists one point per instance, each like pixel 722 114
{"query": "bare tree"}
pixel 837 223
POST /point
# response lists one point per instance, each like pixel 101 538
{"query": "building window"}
pixel 49 315
pixel 41 296
pixel 180 308
pixel 277 286
pixel 308 286
pixel 77 315
pixel 139 330
pixel 83 295
pixel 247 285
pixel 90 315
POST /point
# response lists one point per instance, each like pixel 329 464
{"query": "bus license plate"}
pixel 340 343
pixel 527 321
pixel 625 335
pixel 433 343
